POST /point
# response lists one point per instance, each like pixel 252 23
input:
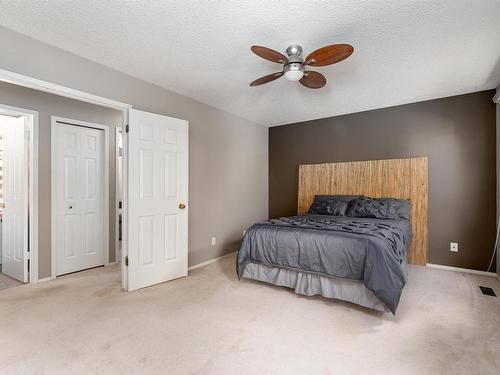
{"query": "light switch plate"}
pixel 214 241
pixel 454 247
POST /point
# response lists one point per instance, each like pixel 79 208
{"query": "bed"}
pixel 349 247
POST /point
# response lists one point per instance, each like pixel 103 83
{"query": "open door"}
pixel 15 199
pixel 157 198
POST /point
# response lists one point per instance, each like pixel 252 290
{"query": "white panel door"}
pixel 79 197
pixel 15 196
pixel 157 197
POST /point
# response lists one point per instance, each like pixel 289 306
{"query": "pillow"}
pixel 347 198
pixel 332 204
pixel 328 207
pixel 368 207
pixel 399 208
pixel 383 208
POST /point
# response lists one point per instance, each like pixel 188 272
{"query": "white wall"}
pixel 228 156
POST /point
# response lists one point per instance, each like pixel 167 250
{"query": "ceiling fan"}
pixel 294 65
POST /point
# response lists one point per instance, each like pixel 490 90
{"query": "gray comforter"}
pixel 370 250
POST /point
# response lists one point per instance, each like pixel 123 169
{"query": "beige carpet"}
pixel 211 323
pixel 7 282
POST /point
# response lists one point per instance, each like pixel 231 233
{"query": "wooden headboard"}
pixel 395 178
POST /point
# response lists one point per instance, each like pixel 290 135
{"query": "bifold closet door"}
pixel 78 181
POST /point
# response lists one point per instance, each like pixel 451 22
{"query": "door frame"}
pixel 105 209
pixel 117 191
pixel 32 186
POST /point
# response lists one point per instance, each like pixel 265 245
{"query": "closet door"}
pixel 78 181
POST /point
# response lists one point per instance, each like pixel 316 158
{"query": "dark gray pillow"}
pixel 347 198
pixel 321 207
pixel 399 208
pixel 382 208
pixel 328 207
pixel 368 207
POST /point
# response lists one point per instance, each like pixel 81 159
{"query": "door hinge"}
pixel 126 260
pixel 28 255
pixel 126 128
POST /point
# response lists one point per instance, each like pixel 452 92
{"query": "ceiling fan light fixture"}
pixel 294 71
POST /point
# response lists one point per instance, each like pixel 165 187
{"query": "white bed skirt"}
pixel 310 284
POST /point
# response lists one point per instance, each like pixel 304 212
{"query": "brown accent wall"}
pixel 457 134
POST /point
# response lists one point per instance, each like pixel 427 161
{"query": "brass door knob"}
pixel 182 206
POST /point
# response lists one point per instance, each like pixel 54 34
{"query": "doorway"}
pixel 154 191
pixel 18 202
pixel 80 195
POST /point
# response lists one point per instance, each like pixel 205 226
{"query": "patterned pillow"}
pixel 383 208
pixel 398 208
pixel 328 207
pixel 347 198
pixel 368 207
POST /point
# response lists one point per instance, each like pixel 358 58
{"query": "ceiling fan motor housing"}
pixel 294 69
pixel 295 54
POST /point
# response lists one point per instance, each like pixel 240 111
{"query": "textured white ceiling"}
pixel 405 51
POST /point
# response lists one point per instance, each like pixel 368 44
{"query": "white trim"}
pixel 33 186
pixel 106 249
pixel 457 269
pixel 124 254
pixel 52 88
pixel 118 129
pixel 186 221
pixel 203 264
pixel 50 278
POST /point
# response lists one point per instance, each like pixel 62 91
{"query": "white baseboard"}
pixel 202 264
pixel 44 279
pixel 189 269
pixel 457 269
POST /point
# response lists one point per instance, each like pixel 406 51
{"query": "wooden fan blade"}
pixel 269 54
pixel 329 55
pixel 266 79
pixel 313 80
